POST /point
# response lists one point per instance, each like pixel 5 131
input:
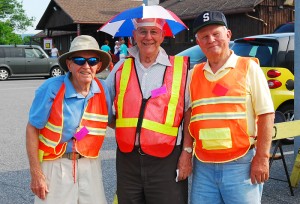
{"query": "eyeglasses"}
pixel 81 60
pixel 143 32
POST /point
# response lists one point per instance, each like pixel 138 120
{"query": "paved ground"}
pixel 16 97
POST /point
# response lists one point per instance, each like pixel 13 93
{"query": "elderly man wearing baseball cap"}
pixel 148 90
pixel 231 119
pixel 66 128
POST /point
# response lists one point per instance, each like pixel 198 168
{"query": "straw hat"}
pixel 85 43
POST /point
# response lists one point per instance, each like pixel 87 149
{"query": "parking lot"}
pixel 16 96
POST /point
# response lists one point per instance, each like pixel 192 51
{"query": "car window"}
pixel 16 52
pixel 2 55
pixel 32 53
pixel 29 53
pixel 264 52
pixel 38 52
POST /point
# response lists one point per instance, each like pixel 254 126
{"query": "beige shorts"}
pixel 88 188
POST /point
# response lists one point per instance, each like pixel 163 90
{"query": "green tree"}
pixel 12 19
pixel 26 40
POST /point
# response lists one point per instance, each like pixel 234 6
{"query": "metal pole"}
pixel 297 72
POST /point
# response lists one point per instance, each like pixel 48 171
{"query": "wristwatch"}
pixel 188 150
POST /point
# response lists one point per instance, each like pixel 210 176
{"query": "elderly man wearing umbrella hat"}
pixel 153 158
pixel 66 128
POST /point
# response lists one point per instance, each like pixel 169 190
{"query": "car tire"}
pixel 56 71
pixel 288 112
pixel 4 74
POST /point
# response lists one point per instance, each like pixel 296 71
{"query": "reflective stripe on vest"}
pixel 163 114
pixel 218 119
pixel 50 135
pixel 94 118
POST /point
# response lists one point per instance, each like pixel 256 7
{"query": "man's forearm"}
pixel 265 125
pixel 32 143
pixel 188 140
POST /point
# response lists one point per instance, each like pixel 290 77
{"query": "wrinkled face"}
pixel 213 40
pixel 84 65
pixel 148 39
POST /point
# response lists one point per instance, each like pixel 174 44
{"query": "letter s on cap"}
pixel 205 17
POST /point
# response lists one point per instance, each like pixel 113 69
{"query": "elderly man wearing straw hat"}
pixel 153 160
pixel 66 128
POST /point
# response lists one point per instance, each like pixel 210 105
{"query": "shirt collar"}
pixel 71 92
pixel 230 63
pixel 162 57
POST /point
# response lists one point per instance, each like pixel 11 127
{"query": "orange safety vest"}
pixel 156 119
pixel 219 119
pixel 94 118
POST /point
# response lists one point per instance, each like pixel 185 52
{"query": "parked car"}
pixel 196 55
pixel 26 60
pixel 276 55
pixel 285 28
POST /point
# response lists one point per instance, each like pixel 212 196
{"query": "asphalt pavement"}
pixel 16 96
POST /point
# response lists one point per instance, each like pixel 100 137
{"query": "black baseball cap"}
pixel 209 18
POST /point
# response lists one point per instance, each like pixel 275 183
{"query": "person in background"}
pixel 54 51
pixel 116 52
pixel 149 102
pixel 106 47
pixel 123 50
pixel 231 119
pixel 117 48
pixel 66 128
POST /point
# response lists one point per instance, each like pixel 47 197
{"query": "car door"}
pixel 36 63
pixel 14 58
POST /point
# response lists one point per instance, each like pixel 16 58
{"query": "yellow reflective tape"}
pixel 95 131
pixel 41 155
pixel 148 124
pixel 123 85
pixel 215 133
pixel 177 77
pixel 160 128
pixel 128 122
pixel 219 100
pixel 53 128
pixel 47 142
pixel 95 117
pixel 218 116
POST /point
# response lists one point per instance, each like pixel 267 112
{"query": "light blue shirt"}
pixel 123 50
pixel 105 48
pixel 74 104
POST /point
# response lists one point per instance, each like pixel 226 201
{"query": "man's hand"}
pixel 259 169
pixel 260 163
pixel 184 165
pixel 38 184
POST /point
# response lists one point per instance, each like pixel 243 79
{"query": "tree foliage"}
pixel 12 19
pixel 7 35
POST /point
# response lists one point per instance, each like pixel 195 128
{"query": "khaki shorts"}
pixel 88 188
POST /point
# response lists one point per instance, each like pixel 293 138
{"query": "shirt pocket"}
pixel 215 138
